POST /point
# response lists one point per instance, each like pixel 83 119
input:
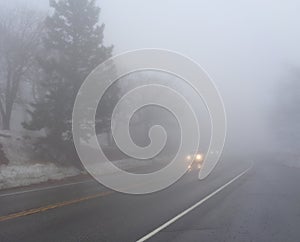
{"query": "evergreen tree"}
pixel 73 46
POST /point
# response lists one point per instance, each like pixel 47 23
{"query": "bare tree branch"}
pixel 19 40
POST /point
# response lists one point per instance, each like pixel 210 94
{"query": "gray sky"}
pixel 245 46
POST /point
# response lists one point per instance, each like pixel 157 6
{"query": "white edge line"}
pixel 43 188
pixel 163 226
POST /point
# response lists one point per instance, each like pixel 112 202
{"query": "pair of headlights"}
pixel 197 157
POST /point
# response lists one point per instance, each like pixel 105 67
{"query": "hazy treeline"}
pixel 285 115
pixel 48 57
pixel 44 59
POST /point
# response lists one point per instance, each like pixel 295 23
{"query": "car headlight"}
pixel 188 157
pixel 198 157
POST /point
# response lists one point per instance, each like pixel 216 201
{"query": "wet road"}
pixel 261 205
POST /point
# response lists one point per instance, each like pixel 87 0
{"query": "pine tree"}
pixel 73 46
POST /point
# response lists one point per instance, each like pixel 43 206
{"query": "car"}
pixel 194 161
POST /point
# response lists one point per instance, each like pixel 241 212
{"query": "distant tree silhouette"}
pixel 73 46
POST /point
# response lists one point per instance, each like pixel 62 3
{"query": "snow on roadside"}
pixel 18 149
pixel 23 175
pixel 23 171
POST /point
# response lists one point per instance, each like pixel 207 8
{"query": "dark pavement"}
pixel 262 205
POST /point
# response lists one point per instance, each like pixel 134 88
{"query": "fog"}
pixel 161 120
pixel 247 47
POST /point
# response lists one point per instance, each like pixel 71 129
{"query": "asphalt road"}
pixel 261 205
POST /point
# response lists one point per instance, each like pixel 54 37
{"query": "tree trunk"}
pixel 6 122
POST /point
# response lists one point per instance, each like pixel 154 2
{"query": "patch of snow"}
pixel 23 175
pixel 18 149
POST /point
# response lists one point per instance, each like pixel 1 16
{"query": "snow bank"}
pixel 18 146
pixel 22 175
pixel 21 169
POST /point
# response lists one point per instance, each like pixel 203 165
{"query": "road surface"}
pixel 234 204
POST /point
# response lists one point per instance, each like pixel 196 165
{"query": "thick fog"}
pixel 247 47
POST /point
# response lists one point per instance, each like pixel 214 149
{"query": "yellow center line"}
pixel 58 205
pixel 53 206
